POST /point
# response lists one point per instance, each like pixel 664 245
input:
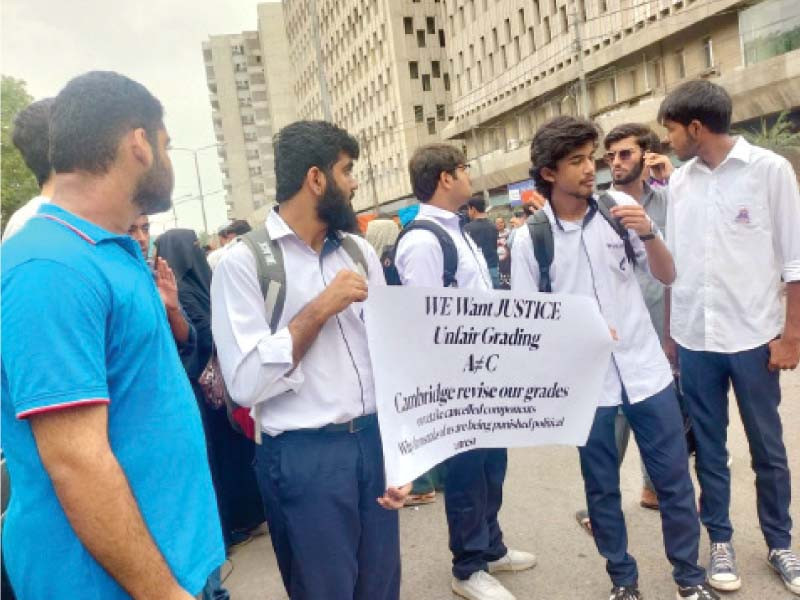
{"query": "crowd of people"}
pixel 159 404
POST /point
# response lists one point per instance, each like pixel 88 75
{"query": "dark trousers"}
pixel 706 377
pixel 331 538
pixel 658 428
pixel 473 493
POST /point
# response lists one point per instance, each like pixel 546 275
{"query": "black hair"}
pixel 644 136
pixel 428 163
pixel 478 203
pixel 306 144
pixel 698 100
pixel 238 227
pixel 32 138
pixel 553 141
pixel 90 116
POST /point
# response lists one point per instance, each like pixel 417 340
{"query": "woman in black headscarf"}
pixel 230 454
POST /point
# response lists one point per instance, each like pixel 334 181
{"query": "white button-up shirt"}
pixel 590 261
pixel 734 232
pixel 420 260
pixel 333 383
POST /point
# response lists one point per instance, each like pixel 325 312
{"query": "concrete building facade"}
pixel 250 89
pixel 378 68
pixel 516 63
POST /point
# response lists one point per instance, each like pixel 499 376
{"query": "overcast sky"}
pixel 157 43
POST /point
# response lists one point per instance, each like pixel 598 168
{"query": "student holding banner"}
pixel 595 245
pixel 434 252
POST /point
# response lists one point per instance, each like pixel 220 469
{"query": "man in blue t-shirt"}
pixel 104 444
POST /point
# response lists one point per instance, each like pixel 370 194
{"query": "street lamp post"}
pixel 194 152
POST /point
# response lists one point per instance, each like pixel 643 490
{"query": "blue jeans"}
pixel 706 377
pixel 657 425
pixel 331 538
pixel 213 589
pixel 473 493
pixel 494 272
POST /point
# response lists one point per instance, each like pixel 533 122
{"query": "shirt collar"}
pixel 740 151
pixel 277 228
pixel 88 231
pixel 439 214
pixel 571 225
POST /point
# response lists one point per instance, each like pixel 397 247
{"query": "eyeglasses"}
pixel 623 155
pixel 463 167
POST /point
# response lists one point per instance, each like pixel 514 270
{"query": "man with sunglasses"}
pixel 474 479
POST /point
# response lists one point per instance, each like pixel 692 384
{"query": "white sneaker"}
pixel 481 586
pixel 514 560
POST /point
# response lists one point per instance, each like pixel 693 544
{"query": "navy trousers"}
pixel 657 426
pixel 331 538
pixel 706 377
pixel 473 493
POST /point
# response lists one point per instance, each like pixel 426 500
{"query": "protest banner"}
pixel 461 369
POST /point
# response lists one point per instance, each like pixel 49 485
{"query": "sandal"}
pixel 582 517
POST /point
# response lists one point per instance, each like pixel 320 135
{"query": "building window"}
pixel 430 24
pixel 504 55
pixel 426 83
pixel 517 50
pixel 431 125
pixel 538 10
pixel 418 116
pixel 708 53
pixel 507 25
pixel 548 35
pixel 479 70
pixel 612 90
pixel 436 69
pixel 441 38
pixel 446 80
pixel 521 19
pixel 680 64
pixel 564 21
pixel 603 5
pixel 769 29
pixel 531 41
pixel 413 69
pixel 440 112
pixel 408 25
pixel 421 38
pixel 495 39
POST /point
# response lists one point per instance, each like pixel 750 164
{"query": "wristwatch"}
pixel 649 236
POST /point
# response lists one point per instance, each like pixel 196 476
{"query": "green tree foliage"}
pixel 17 183
pixel 779 137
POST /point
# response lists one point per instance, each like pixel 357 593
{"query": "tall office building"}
pixel 516 63
pixel 250 83
pixel 379 69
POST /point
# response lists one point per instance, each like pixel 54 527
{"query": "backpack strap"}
pixel 605 203
pixel 272 281
pixel 543 247
pixel 449 250
pixel 356 255
pixel 270 272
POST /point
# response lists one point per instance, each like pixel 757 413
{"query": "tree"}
pixel 779 137
pixel 17 183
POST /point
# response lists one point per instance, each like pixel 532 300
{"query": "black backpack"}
pixel 449 252
pixel 542 237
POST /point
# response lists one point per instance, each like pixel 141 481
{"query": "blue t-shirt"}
pixel 82 322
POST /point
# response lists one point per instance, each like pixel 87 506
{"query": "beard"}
pixel 154 190
pixel 634 175
pixel 335 210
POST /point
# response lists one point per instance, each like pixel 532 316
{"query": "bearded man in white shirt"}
pixel 332 521
pixel 732 224
pixel 596 256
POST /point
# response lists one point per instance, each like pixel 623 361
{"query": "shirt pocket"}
pixel 618 262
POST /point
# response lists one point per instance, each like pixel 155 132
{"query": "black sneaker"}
pixel 625 592
pixel 702 591
pixel 787 565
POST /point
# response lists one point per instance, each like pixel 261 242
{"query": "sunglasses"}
pixel 623 155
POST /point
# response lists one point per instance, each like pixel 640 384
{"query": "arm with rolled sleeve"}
pixel 784 199
pixel 256 364
pixel 420 260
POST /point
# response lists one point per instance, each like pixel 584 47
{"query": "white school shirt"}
pixel 734 232
pixel 420 260
pixel 333 383
pixel 590 261
pixel 23 214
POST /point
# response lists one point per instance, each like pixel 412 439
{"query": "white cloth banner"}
pixel 461 369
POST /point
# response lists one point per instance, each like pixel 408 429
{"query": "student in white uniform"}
pixel 733 225
pixel 594 258
pixel 474 479
pixel 320 464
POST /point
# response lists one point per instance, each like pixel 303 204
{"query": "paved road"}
pixel 543 490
